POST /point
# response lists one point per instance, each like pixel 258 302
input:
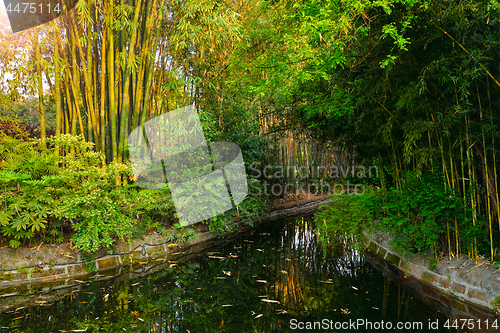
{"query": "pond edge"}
pixel 141 251
pixel 466 281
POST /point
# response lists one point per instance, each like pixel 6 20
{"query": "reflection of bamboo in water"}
pixel 386 296
pixel 288 286
pixel 399 300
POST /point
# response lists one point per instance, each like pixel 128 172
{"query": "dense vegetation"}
pixel 409 86
pixel 427 113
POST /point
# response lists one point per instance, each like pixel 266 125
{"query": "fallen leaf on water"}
pixel 261 281
pixel 189 301
pixel 354 288
pixel 270 301
pixel 17 318
pixel 284 272
pixel 327 281
pixel 375 308
pixel 259 316
pixel 228 273
pixel 227 305
pixel 260 250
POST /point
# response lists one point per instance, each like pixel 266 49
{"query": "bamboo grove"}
pixel 111 65
pixel 411 86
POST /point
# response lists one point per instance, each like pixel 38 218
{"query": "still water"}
pixel 273 279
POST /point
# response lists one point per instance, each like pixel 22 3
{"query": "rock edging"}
pixel 55 265
pixel 472 283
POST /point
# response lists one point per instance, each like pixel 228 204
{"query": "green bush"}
pixel 47 196
pixel 417 214
pixel 73 190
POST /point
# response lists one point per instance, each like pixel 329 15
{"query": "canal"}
pixel 275 278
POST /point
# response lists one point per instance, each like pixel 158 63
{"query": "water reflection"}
pixel 260 282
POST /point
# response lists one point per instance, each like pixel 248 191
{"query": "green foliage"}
pixel 417 214
pixel 74 194
pixel 28 157
pixel 72 190
pixel 345 219
pixel 432 264
pixel 22 270
pixel 179 234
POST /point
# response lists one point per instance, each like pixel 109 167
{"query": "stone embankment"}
pixel 453 283
pixel 47 267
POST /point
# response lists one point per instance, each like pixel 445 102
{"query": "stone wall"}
pixel 54 267
pixel 472 282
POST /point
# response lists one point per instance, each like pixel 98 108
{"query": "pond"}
pixel 272 279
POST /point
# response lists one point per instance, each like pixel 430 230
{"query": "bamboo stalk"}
pixel 488 210
pixel 39 85
pixel 113 116
pixel 457 248
pixel 471 183
pixel 463 178
pixel 57 78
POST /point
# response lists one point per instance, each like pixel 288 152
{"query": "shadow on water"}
pixel 273 279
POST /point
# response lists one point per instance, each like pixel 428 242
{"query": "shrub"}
pixel 417 214
pixel 75 190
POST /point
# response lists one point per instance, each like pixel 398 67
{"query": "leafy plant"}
pixel 416 214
